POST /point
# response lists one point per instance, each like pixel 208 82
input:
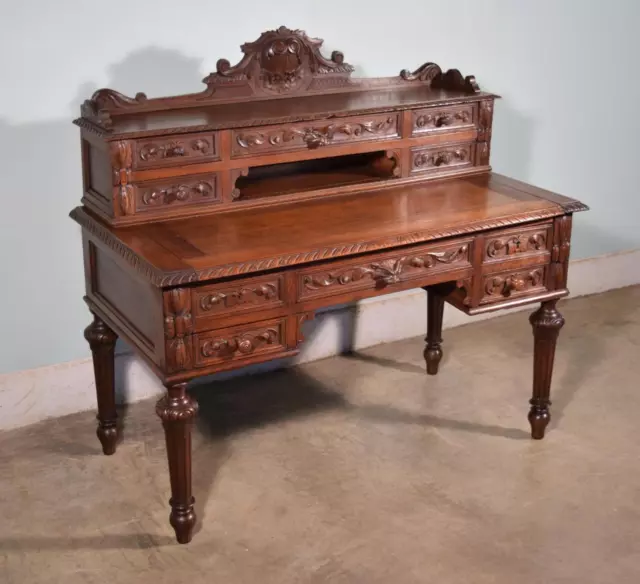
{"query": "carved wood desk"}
pixel 214 224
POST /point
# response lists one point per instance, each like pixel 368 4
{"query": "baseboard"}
pixel 29 396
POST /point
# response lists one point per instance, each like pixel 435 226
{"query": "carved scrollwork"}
pixel 177 193
pixel 516 244
pixel 451 80
pixel 501 285
pixel 385 272
pixel 442 119
pixel 178 326
pixel 315 136
pixel 243 295
pixel 429 159
pixel 280 61
pixel 244 343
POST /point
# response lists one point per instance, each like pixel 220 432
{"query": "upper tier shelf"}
pixel 282 77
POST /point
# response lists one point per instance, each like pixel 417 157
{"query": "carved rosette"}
pixel 506 246
pixel 387 271
pixel 245 344
pixel 183 193
pixel 502 285
pixel 178 326
pixel 244 295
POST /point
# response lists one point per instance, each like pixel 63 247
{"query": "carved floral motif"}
pixel 244 343
pixel 315 136
pixel 177 193
pixel 501 285
pixel 442 119
pixel 516 244
pixel 387 271
pixel 154 151
pixel 426 159
pixel 244 295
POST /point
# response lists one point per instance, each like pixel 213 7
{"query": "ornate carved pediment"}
pixel 281 61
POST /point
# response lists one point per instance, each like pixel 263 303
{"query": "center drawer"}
pixel 312 135
pixel 384 270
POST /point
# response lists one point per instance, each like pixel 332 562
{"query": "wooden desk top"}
pixel 217 246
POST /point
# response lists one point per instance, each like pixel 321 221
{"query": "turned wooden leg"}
pixel 102 341
pixel 177 411
pixel 546 323
pixel 435 309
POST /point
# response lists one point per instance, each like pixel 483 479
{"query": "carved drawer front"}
pixel 238 297
pixel 383 271
pixel 312 135
pixel 513 283
pixel 442 119
pixel 442 159
pixel 241 342
pixel 177 192
pixel 175 150
pixel 519 243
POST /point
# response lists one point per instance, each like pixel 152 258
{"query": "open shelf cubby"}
pixel 310 175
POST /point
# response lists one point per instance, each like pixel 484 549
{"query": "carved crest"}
pixel 279 62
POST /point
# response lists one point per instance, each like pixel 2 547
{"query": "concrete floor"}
pixel 358 469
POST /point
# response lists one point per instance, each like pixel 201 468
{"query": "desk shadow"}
pixel 384 362
pixel 133 541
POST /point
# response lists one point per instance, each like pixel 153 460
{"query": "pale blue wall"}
pixel 568 120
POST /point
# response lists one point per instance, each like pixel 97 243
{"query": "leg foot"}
pixel 102 341
pixel 546 323
pixel 177 410
pixel 435 309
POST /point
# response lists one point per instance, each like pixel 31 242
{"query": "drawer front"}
pixel 240 343
pixel 239 297
pixel 521 243
pixel 513 284
pixel 177 192
pixel 311 135
pixel 383 271
pixel 442 119
pixel 442 159
pixel 175 150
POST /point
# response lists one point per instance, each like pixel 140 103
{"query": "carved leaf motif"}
pixel 244 295
pixel 177 193
pixel 516 244
pixel 516 282
pixel 429 159
pixel 314 136
pixel 441 119
pixel 387 271
pixel 245 343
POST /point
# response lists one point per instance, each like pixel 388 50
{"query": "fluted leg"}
pixel 546 323
pixel 435 309
pixel 102 341
pixel 177 411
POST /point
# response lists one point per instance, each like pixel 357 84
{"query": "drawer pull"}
pixel 315 138
pixel 245 343
pixel 444 120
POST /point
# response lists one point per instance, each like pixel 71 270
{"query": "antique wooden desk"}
pixel 214 224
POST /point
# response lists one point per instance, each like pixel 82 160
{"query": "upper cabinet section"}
pixel 281 64
pixel 285 124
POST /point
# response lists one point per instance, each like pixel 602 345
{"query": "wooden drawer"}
pixel 522 243
pixel 442 159
pixel 240 342
pixel 311 135
pixel 442 119
pixel 177 192
pixel 238 297
pixel 382 271
pixel 175 150
pixel 513 283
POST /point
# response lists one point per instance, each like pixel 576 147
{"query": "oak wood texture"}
pixel 215 224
